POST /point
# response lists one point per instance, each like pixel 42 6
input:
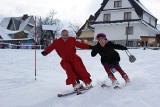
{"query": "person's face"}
pixel 102 41
pixel 64 35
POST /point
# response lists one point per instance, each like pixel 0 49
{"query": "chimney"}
pixel 25 16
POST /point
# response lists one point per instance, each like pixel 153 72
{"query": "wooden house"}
pixel 86 32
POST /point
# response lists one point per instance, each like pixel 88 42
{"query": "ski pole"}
pixel 131 57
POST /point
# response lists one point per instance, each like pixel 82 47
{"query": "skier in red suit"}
pixel 65 47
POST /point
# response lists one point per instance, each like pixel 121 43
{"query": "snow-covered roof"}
pixel 5 22
pixel 143 7
pixel 22 21
pixel 49 27
pixel 155 29
pixel 158 27
pixel 5 33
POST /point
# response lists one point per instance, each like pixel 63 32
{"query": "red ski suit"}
pixel 71 62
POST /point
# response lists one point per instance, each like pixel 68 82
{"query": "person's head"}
pixel 64 34
pixel 101 37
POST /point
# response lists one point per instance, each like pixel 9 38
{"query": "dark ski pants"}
pixel 115 65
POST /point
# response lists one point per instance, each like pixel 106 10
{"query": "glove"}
pixel 124 48
pixel 44 53
pixel 91 47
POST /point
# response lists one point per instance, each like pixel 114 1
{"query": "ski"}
pixel 109 86
pixel 66 94
pixel 73 92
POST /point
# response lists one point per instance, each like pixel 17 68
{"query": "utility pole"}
pixel 127 34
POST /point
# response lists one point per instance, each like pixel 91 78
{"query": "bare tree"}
pixel 75 26
pixel 50 19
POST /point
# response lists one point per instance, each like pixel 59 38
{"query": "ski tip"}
pixel 117 87
pixel 104 85
pixel 59 95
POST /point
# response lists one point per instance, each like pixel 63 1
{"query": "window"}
pixel 127 15
pixel 129 31
pixel 130 43
pixel 117 3
pixel 107 17
pixel 150 20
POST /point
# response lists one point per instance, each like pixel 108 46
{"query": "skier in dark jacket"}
pixel 109 57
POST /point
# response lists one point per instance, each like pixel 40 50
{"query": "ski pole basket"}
pixel 131 57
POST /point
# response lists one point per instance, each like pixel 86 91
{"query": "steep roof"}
pixel 20 25
pixel 5 22
pixel 140 8
pixel 101 8
pixel 5 33
pixel 158 27
pixel 91 17
pixel 23 22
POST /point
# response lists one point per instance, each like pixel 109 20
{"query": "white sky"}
pixel 67 10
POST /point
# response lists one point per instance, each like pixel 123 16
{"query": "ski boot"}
pixel 89 86
pixel 113 79
pixel 127 80
pixel 78 88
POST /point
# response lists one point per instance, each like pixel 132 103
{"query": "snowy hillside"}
pixel 19 89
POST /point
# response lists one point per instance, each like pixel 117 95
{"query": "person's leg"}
pixel 123 74
pixel 110 74
pixel 80 70
pixel 71 76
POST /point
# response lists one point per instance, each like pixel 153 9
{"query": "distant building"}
pixel 86 32
pixel 124 20
pixel 47 34
pixel 17 29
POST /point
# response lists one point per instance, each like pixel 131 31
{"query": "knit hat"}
pixel 101 35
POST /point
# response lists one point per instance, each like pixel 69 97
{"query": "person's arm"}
pixel 48 49
pixel 82 45
pixel 94 50
pixel 118 46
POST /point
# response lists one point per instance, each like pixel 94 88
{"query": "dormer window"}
pixel 107 17
pixel 117 3
pixel 127 15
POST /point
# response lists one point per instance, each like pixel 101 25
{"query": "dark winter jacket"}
pixel 107 53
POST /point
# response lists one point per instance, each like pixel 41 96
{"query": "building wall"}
pixel 86 34
pixel 110 4
pixel 118 31
pixel 115 13
pixel 119 12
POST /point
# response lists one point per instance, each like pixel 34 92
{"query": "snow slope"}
pixel 18 87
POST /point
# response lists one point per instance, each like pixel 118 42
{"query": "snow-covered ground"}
pixel 18 87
